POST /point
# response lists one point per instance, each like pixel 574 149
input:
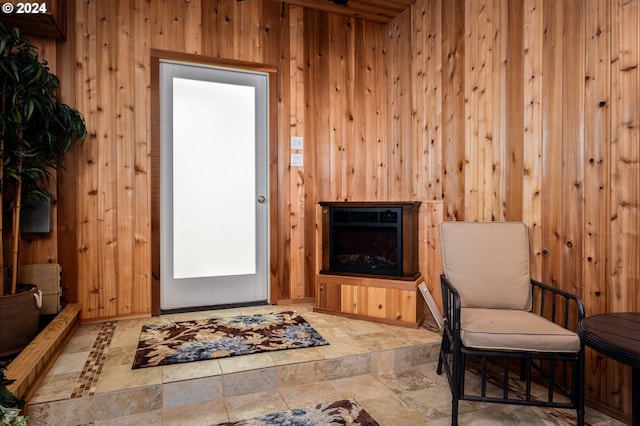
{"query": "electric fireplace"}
pixel 370 239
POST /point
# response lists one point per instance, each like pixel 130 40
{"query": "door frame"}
pixel 158 55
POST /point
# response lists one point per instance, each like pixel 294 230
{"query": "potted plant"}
pixel 10 405
pixel 36 130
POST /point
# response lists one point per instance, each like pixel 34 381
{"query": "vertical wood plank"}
pixel 401 305
pixel 106 235
pixel 409 151
pixel 229 24
pixel 597 176
pixel 283 166
pixel 310 163
pixel 167 22
pixel 377 302
pixel 373 98
pixel 401 157
pixel 626 186
pixel 573 142
pixel 297 187
pixel 269 32
pixel 485 109
pixel 317 123
pixel 427 100
pixel 142 276
pixel 67 186
pixel 381 118
pixel 322 87
pixel 471 90
pixel 603 366
pixel 408 310
pixel 86 49
pixel 532 91
pixel 421 84
pixel 363 96
pixel 499 125
pixel 192 26
pixel 349 141
pixel 338 62
pixel 210 31
pixel 248 39
pixel 434 108
pixel 125 162
pixel 597 159
pixel 515 113
pixel 627 153
pixel 354 299
pixel 552 157
pixel 453 135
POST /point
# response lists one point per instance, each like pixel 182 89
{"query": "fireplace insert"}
pixel 370 239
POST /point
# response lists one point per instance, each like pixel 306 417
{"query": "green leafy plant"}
pixel 10 405
pixel 36 130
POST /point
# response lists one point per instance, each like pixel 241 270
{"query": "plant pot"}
pixel 19 319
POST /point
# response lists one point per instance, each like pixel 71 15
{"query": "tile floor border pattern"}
pixel 88 378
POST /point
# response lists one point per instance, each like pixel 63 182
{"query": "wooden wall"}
pixel 506 110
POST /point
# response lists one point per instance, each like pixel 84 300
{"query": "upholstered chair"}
pixel 513 332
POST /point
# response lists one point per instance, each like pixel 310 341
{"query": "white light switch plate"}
pixel 297 160
pixel 296 142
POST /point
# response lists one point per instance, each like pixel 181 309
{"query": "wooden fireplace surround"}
pixel 388 299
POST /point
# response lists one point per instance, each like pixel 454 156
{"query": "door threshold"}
pixel 213 307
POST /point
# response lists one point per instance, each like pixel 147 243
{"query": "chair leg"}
pixel 580 404
pixel 444 347
pixel 457 377
pixel 579 389
pixel 453 374
pixel 454 412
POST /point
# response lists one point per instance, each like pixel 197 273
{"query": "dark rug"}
pixel 187 341
pixel 344 412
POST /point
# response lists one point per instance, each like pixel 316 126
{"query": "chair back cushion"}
pixel 488 263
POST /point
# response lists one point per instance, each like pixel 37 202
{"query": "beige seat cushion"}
pixel 488 263
pixel 514 330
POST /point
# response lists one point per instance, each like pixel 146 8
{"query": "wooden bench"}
pixel 30 367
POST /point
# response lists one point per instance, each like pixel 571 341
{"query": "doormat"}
pixel 344 412
pixel 168 342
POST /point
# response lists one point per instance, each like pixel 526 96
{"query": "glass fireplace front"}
pixel 366 240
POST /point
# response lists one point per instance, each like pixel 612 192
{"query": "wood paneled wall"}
pixel 506 110
pixel 532 109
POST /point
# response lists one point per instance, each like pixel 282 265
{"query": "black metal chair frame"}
pixel 453 354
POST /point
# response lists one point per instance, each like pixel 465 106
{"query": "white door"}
pixel 213 186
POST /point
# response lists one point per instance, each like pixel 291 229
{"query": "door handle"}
pixel 261 199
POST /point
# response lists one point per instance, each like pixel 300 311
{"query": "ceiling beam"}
pixel 382 11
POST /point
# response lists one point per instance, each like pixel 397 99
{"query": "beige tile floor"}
pixel 389 370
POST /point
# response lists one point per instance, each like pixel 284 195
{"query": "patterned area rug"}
pixel 187 341
pixel 344 412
